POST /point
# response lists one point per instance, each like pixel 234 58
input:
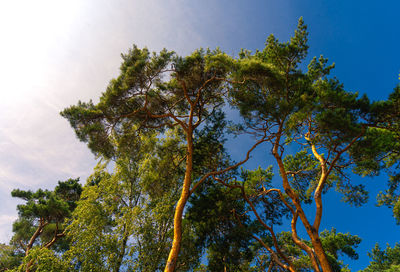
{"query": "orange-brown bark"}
pixel 311 231
pixel 38 231
pixel 176 243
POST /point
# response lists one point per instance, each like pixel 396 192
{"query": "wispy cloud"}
pixel 54 55
pixel 6 226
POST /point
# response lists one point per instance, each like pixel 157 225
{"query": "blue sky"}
pixel 54 53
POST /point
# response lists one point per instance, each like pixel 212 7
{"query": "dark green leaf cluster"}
pixel 255 183
pixel 10 257
pixel 379 150
pixel 153 91
pixel 303 170
pixel 51 206
pixel 228 242
pixel 209 151
pixel 335 245
pixel 41 223
pixel 387 260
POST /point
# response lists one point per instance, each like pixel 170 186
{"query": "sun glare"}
pixel 30 30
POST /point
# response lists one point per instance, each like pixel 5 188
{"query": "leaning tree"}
pixel 41 219
pixel 155 92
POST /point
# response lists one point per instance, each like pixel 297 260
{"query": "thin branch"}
pixel 219 172
pixel 271 231
pixel 269 249
pixel 324 176
pixel 22 245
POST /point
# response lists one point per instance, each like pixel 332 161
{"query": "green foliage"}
pixel 88 231
pixel 316 130
pixel 255 183
pixel 41 204
pixel 9 257
pixel 51 206
pixel 151 92
pixel 265 73
pixel 228 242
pixel 44 260
pixel 335 245
pixel 209 150
pixel 303 170
pixel 40 225
pixel 163 167
pixel 44 212
pixel 380 149
pixel 384 260
pixel 92 123
pixel 123 221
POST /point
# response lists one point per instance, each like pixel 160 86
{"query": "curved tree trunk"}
pixel 312 231
pixel 176 243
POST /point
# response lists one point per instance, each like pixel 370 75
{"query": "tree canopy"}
pixel 167 194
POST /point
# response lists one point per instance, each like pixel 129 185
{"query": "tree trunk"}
pixel 28 266
pixel 319 251
pixel 123 249
pixel 176 243
pixel 311 231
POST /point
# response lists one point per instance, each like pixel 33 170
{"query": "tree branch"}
pixel 219 172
